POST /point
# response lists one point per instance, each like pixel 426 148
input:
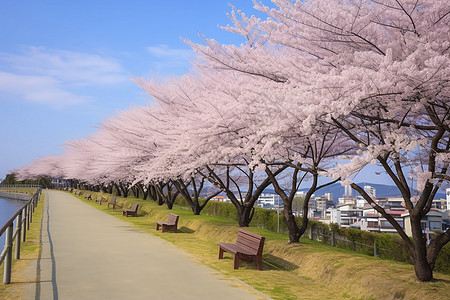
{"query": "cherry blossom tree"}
pixel 47 167
pixel 378 71
pixel 211 110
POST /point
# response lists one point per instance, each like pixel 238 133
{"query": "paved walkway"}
pixel 88 254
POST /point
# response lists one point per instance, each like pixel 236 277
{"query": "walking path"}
pixel 87 254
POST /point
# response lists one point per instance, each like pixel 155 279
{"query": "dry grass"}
pixel 308 270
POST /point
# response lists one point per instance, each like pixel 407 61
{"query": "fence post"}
pixel 310 233
pixel 375 250
pixel 28 216
pixel 31 211
pixel 8 258
pixel 18 236
pixel 332 239
pixel 25 220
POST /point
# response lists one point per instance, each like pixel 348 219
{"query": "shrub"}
pixel 443 260
pixel 224 209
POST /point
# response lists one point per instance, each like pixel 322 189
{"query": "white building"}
pixel 347 200
pixel 348 191
pixel 335 215
pixel 269 201
pixel 348 215
pixel 300 194
pixel 370 190
pixel 221 199
pixel 360 202
pixel 448 198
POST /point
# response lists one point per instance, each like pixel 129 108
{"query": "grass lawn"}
pixel 308 270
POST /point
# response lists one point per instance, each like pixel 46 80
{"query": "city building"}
pixel 440 204
pixel 350 200
pixel 221 198
pixel 434 220
pixel 448 198
pixel 348 191
pixel 375 222
pixel 370 190
pixel 269 201
pixel 322 203
pixel 300 194
pixel 349 215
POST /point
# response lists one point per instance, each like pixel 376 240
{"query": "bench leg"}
pixel 220 253
pixel 259 262
pixel 163 229
pixel 157 226
pixel 235 261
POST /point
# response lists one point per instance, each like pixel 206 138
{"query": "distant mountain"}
pixel 382 190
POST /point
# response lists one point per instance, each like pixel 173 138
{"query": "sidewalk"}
pixel 87 254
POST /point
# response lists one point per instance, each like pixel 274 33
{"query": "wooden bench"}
pixel 100 199
pixel 88 197
pixel 132 211
pixel 113 202
pixel 248 246
pixel 172 223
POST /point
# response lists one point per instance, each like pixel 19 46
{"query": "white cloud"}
pixel 74 68
pixel 165 52
pixel 56 77
pixel 37 89
pixel 168 61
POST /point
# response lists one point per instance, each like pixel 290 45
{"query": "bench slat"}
pixel 172 223
pixel 248 246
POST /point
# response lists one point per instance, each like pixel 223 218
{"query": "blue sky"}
pixel 65 66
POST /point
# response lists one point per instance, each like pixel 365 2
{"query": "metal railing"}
pixel 23 218
pixel 34 186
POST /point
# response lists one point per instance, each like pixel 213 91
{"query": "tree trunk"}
pixel 171 195
pixel 135 191
pixel 104 188
pixel 144 192
pixel 291 224
pixel 110 188
pixel 196 209
pixel 118 192
pixel 160 198
pixel 124 190
pixel 152 192
pixel 288 216
pixel 245 214
pixel 418 254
